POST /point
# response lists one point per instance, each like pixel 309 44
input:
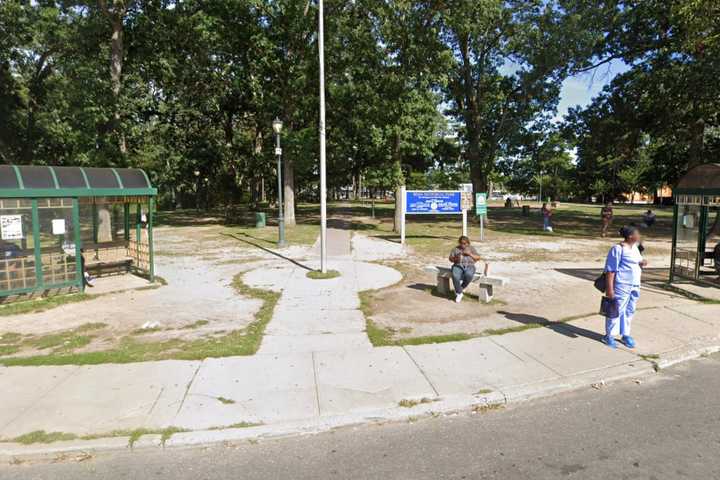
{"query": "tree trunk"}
pixel 115 16
pixel 289 190
pixel 697 143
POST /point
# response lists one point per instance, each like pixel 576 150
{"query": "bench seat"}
pixel 485 284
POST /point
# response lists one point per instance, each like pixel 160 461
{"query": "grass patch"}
pixel 10 337
pixel 237 425
pixel 41 436
pixel 650 357
pixel 318 275
pixel 42 304
pixel 504 331
pixel 483 391
pixel 488 407
pixel 194 325
pixel 9 349
pixel 409 403
pixel 225 401
pixel 237 342
pixel 383 337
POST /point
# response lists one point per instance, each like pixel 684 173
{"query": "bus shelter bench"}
pixel 486 284
pixel 101 268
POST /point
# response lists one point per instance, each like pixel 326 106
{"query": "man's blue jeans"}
pixel 462 276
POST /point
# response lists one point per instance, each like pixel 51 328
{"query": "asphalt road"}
pixel 667 427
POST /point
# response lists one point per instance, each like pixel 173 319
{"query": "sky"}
pixel 580 89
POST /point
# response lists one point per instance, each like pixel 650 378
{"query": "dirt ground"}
pixel 198 262
pixel 550 280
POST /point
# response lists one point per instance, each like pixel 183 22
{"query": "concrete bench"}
pixel 486 284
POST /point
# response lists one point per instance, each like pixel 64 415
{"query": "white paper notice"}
pixel 58 226
pixel 11 227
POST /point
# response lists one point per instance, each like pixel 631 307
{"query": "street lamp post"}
pixel 323 183
pixel 277 127
pixel 197 190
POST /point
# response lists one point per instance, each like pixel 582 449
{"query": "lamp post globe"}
pixel 277 126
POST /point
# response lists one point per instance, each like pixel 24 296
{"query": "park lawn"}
pixel 430 234
pixel 578 220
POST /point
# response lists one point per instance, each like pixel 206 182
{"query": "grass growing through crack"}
pixel 41 436
pixel 318 275
pixel 225 401
pixel 245 341
pixel 409 403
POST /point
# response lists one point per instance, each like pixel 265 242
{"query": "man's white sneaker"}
pixel 458 297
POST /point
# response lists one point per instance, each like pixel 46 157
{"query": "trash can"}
pixel 260 220
pixel 526 210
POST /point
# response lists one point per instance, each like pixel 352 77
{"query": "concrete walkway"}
pixel 316 370
pixel 320 315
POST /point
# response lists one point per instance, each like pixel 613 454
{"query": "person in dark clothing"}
pixel 463 258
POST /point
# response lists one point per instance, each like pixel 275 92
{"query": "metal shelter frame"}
pixel 697 198
pixel 41 245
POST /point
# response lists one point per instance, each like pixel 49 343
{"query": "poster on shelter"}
pixel 11 227
pixel 58 226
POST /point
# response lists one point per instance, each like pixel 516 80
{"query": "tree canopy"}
pixel 422 93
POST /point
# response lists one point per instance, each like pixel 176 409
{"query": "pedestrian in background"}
pixel 547 214
pixel 606 214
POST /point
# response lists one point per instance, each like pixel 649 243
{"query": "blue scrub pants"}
pixel 626 296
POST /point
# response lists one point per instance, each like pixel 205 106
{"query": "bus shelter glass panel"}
pixel 711 262
pixel 686 242
pixel 57 241
pixel 139 241
pixel 17 252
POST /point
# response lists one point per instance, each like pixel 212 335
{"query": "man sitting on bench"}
pixel 463 258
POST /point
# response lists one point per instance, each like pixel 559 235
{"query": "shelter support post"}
pixel 79 274
pixel 37 245
pixel 151 252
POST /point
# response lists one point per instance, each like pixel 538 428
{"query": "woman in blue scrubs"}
pixel 623 269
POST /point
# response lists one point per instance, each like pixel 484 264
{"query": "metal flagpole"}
pixel 323 184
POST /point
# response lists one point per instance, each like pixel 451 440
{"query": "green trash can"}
pixel 260 220
pixel 526 210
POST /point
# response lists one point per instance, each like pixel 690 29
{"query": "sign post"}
pixel 481 211
pixel 403 209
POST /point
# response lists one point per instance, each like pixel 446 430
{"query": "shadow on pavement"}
pixel 294 262
pixel 432 290
pixel 562 328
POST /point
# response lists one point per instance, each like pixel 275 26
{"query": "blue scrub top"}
pixel 625 262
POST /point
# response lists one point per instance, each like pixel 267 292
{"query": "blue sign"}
pixel 429 202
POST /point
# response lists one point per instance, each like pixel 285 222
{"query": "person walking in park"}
pixel 606 213
pixel 623 270
pixel 547 215
pixel 463 258
pixel 649 219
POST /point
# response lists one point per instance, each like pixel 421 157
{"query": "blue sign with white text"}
pixel 429 202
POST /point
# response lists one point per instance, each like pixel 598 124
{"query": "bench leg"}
pixel 443 285
pixel 486 293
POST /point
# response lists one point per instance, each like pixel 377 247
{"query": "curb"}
pixel 13 453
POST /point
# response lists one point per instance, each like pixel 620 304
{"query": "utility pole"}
pixel 323 182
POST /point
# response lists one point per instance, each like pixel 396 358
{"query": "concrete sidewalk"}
pixel 310 391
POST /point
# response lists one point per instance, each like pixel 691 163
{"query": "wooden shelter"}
pixel 51 217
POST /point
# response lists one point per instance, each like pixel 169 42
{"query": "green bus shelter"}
pixel 696 226
pixel 51 217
